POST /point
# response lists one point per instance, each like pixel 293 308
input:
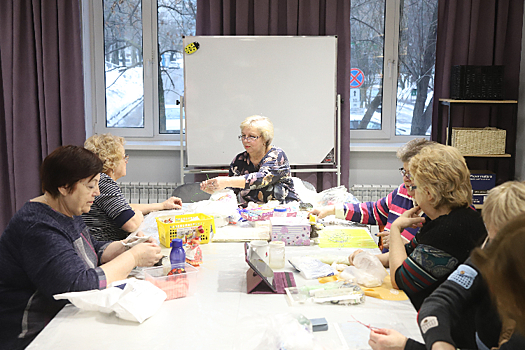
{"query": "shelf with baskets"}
pixel 452 102
pixel 489 148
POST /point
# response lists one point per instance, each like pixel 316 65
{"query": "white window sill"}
pixel 374 147
pixel 153 145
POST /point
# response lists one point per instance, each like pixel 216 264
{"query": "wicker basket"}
pixel 479 141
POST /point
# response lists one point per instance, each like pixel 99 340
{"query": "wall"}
pixel 520 144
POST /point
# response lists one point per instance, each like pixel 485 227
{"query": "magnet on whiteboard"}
pixel 191 48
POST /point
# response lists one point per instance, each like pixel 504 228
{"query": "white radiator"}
pixel 369 193
pixel 156 192
pixel 147 192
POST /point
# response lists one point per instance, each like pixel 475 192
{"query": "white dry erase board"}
pixel 291 80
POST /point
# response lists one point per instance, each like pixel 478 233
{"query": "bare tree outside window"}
pixel 415 65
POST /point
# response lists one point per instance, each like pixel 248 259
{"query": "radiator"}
pixel 371 193
pixel 147 192
pixel 156 192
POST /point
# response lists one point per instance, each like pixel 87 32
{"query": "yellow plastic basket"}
pixel 168 231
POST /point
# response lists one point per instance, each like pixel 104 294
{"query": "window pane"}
pixel 417 56
pixel 123 64
pixel 176 18
pixel 367 25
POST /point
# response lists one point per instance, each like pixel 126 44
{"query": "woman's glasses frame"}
pixel 247 138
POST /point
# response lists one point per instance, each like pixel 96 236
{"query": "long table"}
pixel 221 315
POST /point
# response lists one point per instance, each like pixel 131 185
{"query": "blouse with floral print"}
pixel 269 180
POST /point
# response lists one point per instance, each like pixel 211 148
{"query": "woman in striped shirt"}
pixel 111 217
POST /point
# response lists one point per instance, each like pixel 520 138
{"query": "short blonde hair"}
pixel 442 171
pixel 262 124
pixel 108 148
pixel 411 148
pixel 503 203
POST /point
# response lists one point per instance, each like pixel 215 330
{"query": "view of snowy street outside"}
pixel 124 96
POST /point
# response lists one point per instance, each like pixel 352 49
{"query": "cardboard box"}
pixel 482 180
pixel 479 196
pixel 290 230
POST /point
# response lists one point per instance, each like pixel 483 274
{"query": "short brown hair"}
pixel 503 203
pixel 442 171
pixel 503 268
pixel 411 148
pixel 67 165
pixel 107 147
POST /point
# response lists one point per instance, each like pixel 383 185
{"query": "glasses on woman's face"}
pixel 412 188
pixel 247 138
pixel 126 157
pixel 404 173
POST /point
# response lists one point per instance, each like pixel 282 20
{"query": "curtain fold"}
pixel 291 17
pixel 42 92
pixel 480 33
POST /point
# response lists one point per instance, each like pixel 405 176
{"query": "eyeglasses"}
pixel 247 138
pixel 405 173
pixel 126 157
pixel 412 187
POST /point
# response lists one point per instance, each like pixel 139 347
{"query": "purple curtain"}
pixel 290 17
pixel 42 97
pixel 480 33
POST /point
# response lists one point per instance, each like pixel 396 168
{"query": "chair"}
pixel 190 193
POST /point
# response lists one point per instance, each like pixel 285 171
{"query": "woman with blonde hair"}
pixel 441 181
pixel 461 309
pixel 262 172
pixel 111 216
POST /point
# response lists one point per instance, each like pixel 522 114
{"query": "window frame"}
pixel 94 73
pixel 387 134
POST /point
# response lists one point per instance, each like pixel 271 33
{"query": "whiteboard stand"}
pixel 337 162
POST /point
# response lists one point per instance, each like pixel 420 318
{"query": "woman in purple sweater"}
pixel 47 249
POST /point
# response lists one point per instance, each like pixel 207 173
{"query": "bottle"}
pixel 277 254
pixel 177 255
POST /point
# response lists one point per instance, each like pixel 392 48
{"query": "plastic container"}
pixel 168 225
pixel 279 212
pixel 277 256
pixel 177 254
pixel 175 286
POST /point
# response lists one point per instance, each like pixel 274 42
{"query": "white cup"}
pixel 261 248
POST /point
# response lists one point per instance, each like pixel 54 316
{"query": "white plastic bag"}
pixel 221 205
pixel 367 270
pixel 134 300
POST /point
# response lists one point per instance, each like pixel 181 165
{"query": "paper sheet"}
pixel 331 237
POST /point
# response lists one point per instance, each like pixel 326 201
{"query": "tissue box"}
pixel 290 230
pixel 175 286
pixel 482 180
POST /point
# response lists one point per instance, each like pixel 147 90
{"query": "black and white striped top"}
pixel 109 212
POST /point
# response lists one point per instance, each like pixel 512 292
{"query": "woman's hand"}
pixel 323 212
pixel 386 339
pixel 385 238
pixel 409 218
pixel 172 203
pixel 146 254
pixel 353 255
pixel 212 185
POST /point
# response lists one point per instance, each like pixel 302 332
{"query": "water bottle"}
pixel 177 255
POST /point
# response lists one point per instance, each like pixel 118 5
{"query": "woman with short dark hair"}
pixel 47 249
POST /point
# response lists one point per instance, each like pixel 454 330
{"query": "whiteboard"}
pixel 291 80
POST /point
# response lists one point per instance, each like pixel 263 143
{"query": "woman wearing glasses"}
pixel 47 249
pixel 111 217
pixel 385 210
pixel 442 190
pixel 261 173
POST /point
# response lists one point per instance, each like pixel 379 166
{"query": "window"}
pixel 138 66
pixel 393 46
